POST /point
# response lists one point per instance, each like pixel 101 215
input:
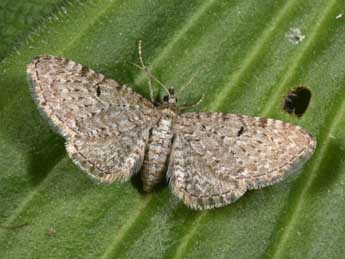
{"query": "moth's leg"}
pixel 193 104
pixel 188 83
pixel 184 87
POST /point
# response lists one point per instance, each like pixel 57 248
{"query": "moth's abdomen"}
pixel 157 154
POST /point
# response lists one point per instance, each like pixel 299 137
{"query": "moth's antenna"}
pixel 141 55
pixel 148 73
pixel 144 68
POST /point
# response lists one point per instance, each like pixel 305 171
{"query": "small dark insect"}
pixel 297 101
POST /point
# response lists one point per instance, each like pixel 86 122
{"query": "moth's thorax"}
pixel 158 149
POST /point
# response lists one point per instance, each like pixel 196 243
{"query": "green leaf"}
pixel 246 64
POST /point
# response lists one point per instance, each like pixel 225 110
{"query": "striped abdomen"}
pixel 157 153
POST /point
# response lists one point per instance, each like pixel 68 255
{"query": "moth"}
pixel 210 159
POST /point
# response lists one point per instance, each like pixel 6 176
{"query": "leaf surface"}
pixel 246 65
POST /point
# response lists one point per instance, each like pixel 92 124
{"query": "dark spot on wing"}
pixel 98 91
pixel 240 131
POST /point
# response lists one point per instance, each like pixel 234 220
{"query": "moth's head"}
pixel 170 97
